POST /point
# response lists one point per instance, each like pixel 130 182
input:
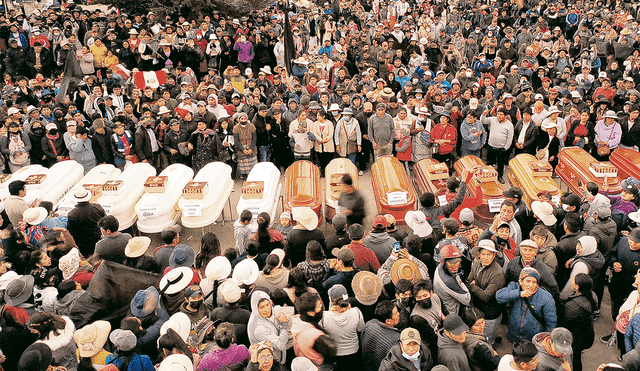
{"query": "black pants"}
pixel 445 159
pixel 351 362
pixel 362 158
pixel 497 156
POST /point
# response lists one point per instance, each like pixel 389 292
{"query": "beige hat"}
pixel 305 217
pixel 137 246
pixel 82 194
pixel 409 335
pixel 179 323
pixel 367 287
pixel 218 268
pixel 176 280
pixel 91 338
pixel 34 215
pixel 230 291
pixel 176 362
pixel 544 211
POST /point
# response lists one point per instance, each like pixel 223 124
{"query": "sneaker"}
pixel 360 173
pixel 606 339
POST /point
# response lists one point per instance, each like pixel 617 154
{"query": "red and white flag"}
pixel 149 78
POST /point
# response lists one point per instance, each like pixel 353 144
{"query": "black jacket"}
pixel 530 136
pixel 101 144
pixel 577 317
pixel 143 145
pixel 394 361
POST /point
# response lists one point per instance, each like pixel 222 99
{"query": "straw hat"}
pixel 82 194
pixel 176 280
pixel 218 268
pixel 179 323
pixel 34 215
pixel 367 287
pixel 176 362
pixel 405 268
pixel 554 109
pixel 305 217
pixel 246 272
pixel 137 246
pixel 91 338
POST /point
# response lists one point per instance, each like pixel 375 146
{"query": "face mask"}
pixel 347 118
pixel 425 303
pixel 565 207
pixel 38 131
pixel 469 74
pixel 421 118
pixel 415 81
pixel 198 37
pixel 334 113
pixel 483 59
pixel 53 132
pixel 196 304
pixel 406 302
pixel 411 358
pixel 58 115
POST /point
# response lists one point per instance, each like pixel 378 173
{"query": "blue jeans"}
pixel 352 157
pixel 466 152
pixel 264 153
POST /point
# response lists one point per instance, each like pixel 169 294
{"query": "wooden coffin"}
pixel 430 175
pixel 627 161
pixel 533 177
pixel 576 167
pixel 392 189
pixel 302 187
pixel 484 184
pixel 334 172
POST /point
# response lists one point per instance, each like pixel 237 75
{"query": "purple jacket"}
pixel 245 51
pixel 621 206
pixel 236 357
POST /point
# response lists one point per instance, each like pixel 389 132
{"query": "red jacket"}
pixel 365 258
pixel 447 132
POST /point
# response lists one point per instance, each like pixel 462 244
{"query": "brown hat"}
pixel 405 269
pixel 344 254
pixel 367 287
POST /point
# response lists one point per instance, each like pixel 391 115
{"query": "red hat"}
pixel 380 222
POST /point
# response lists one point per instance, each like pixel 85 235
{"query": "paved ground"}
pixel 592 358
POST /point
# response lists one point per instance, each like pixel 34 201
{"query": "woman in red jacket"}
pixel 444 136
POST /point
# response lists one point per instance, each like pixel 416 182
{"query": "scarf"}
pixel 450 280
pixel 205 132
pixel 53 137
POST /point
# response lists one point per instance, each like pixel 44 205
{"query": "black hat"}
pixel 37 357
pixel 571 199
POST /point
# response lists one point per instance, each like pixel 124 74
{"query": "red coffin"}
pixel 576 167
pixel 430 175
pixel 484 184
pixel 627 161
pixel 533 177
pixel 302 187
pixel 392 189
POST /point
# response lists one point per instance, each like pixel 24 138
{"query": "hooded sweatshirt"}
pixel 268 329
pixel 451 353
pixel 343 329
pixel 381 244
pixel 549 358
pixel 589 262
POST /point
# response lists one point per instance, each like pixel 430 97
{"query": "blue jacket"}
pixel 470 141
pixel 522 324
pixel 632 335
pixel 138 362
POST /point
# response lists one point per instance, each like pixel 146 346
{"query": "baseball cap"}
pixel 454 324
pixel 562 340
pixel 380 222
pixel 344 253
pixel 409 335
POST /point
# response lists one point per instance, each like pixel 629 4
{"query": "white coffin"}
pixel 270 175
pixel 98 175
pixel 61 177
pixel 158 210
pixel 22 174
pixel 197 213
pixel 121 203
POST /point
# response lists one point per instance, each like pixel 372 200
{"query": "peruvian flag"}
pixel 149 78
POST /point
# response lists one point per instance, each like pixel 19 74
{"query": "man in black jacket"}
pixel 101 142
pixel 146 142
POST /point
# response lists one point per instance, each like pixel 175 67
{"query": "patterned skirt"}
pixel 245 163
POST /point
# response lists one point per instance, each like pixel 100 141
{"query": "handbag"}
pixel 604 150
pixel 542 154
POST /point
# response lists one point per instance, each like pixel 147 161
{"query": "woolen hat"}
pixel 529 272
pixel 356 232
pixel 124 340
pixel 339 221
pixel 37 357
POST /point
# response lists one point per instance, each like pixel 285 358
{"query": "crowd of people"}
pixel 408 78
